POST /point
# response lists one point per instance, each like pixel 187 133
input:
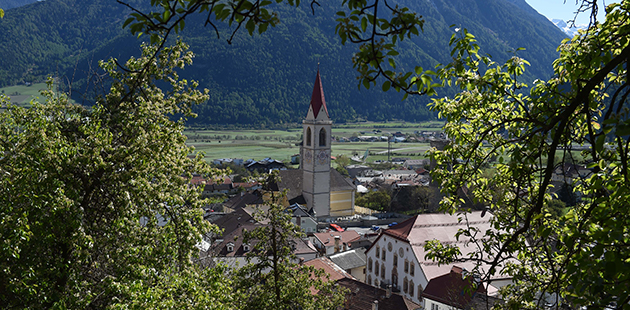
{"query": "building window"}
pixel 412 268
pixel 383 254
pixel 308 136
pixel 411 287
pixel 406 266
pixel 395 260
pixel 435 307
pixel 322 137
pixel 378 251
pixel 376 269
pixel 383 271
pixel 395 280
pixel 419 291
pixel 405 285
pixel 370 264
pixel 369 282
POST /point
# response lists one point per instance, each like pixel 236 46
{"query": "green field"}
pixel 282 144
pixel 22 95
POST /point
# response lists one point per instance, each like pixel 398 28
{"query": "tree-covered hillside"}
pixel 9 4
pixel 268 79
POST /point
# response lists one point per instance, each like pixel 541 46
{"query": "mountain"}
pixel 570 31
pixel 268 79
pixel 9 4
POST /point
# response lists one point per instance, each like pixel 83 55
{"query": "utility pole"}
pixel 389 148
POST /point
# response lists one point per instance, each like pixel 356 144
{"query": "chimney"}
pixel 337 241
pixel 388 293
pixel 375 305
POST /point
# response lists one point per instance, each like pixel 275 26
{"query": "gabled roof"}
pixel 328 238
pixel 292 180
pixel 340 183
pixel 401 231
pixel 240 201
pixel 455 289
pixel 318 103
pixel 335 272
pixel 350 259
pixel 420 229
pixel 361 296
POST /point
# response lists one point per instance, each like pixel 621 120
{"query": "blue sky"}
pixel 558 9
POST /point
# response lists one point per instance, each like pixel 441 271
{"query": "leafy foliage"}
pixel 97 210
pixel 273 277
pixel 376 200
pixel 261 79
pixel 577 258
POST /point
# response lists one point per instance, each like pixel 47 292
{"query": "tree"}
pixel 96 206
pixel 578 259
pixel 273 277
pixel 359 22
pixel 375 200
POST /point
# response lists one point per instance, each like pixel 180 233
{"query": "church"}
pixel 324 191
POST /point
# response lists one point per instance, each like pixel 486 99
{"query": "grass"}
pixel 282 144
pixel 22 95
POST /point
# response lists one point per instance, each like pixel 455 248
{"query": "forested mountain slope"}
pixel 268 79
pixel 9 4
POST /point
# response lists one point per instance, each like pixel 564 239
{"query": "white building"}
pixel 397 257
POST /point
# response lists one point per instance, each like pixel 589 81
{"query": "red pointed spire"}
pixel 317 99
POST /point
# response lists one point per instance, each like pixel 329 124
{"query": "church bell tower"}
pixel 316 151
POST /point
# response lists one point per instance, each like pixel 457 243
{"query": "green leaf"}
pixel 599 143
pixel 366 83
pixel 387 85
pixel 364 22
pixel 129 20
pixel 392 63
pixel 622 130
pixel 250 26
pixel 262 28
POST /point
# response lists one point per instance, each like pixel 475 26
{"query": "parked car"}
pixel 336 227
pixel 392 224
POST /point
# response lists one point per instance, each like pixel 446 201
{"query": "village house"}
pixel 230 248
pixel 352 261
pixel 332 242
pixel 362 296
pixel 301 217
pixel 397 257
pixel 456 290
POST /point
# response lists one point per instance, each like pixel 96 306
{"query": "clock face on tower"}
pixel 323 157
pixel 308 156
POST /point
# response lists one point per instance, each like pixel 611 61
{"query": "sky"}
pixel 558 9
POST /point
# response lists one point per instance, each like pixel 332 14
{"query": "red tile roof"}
pixel 402 229
pixel 317 99
pixel 361 296
pixel 328 238
pixel 454 289
pixel 335 272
